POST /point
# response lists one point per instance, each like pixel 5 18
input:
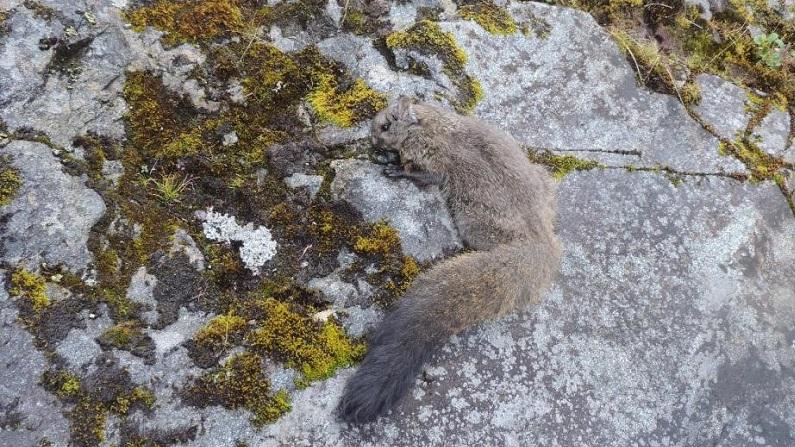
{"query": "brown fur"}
pixel 504 209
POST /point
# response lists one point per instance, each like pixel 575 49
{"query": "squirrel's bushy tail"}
pixel 453 295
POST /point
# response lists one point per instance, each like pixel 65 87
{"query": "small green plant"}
pixel 770 49
pixel 171 187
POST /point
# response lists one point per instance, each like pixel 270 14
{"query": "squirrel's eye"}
pixel 385 126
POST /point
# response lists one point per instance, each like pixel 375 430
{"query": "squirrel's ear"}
pixel 405 109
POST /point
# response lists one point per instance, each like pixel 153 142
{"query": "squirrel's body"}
pixel 504 209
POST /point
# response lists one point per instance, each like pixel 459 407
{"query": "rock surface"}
pixel 670 324
pixel 49 220
pixel 425 227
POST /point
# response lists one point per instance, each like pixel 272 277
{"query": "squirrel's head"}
pixel 393 125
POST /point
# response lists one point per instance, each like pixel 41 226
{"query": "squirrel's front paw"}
pixel 394 171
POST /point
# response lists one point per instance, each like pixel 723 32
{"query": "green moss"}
pixel 191 20
pixel 285 13
pixel 761 165
pixel 656 69
pixel 122 335
pixel 221 332
pixel 31 288
pixel 314 349
pixel 356 22
pixel 139 396
pixel 10 181
pixel 560 165
pixel 348 107
pixel 493 18
pixel 427 38
pixel 382 239
pixel 62 383
pixel 88 418
pixel 240 383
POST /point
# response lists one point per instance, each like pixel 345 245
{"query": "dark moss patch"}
pixel 129 336
pixel 107 390
pixel 240 383
pixel 40 10
pixel 427 38
pixel 180 285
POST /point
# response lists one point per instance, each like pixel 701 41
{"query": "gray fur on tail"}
pixel 393 362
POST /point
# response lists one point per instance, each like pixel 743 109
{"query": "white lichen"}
pixel 258 245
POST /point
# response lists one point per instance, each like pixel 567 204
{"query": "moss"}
pixel 382 239
pixel 285 13
pixel 156 122
pixel 357 23
pixel 761 165
pixel 31 288
pixel 191 20
pixel 560 165
pixel 40 10
pixel 221 332
pixel 122 335
pixel 409 270
pixel 240 383
pixel 62 383
pixel 348 107
pixel 10 181
pixel 316 350
pixel 88 418
pixel 493 18
pixel 656 69
pixel 139 396
pixel 427 38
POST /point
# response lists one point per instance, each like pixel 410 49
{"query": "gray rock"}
pixel 80 347
pixel 50 218
pixel 28 413
pixel 310 182
pixel 364 60
pixel 113 170
pixel 178 332
pixel 339 292
pixel 724 106
pixel 183 242
pixel 358 321
pixel 420 216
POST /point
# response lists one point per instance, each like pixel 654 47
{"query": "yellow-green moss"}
pixel 315 349
pixel 10 181
pixel 345 108
pixel 655 67
pixel 427 38
pixel 382 239
pixel 88 418
pixel 241 383
pixel 122 335
pixel 191 20
pixel 408 271
pixel 138 396
pixel 762 165
pixel 31 288
pixel 560 165
pixel 62 383
pixel 493 18
pixel 221 332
